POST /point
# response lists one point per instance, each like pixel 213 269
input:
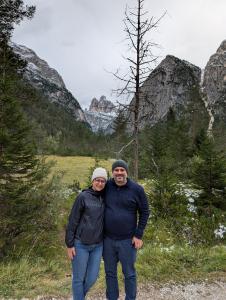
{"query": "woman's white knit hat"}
pixel 99 172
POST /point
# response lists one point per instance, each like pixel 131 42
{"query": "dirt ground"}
pixel 193 291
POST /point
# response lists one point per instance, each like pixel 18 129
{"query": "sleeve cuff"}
pixel 138 234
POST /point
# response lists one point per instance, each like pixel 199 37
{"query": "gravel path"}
pixel 193 291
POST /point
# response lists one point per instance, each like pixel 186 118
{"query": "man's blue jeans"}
pixel 85 267
pixel 124 252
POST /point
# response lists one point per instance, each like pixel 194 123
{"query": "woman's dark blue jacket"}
pixel 86 219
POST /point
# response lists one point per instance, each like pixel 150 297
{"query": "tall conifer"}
pixel 19 168
pixel 209 174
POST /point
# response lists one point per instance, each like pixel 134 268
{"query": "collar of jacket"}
pixel 125 185
pixel 91 191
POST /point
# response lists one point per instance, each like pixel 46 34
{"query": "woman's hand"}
pixel 71 252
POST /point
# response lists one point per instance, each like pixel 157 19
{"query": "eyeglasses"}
pixel 102 181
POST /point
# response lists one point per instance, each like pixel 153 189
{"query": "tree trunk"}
pixel 137 97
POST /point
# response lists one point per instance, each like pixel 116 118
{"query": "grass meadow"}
pixel 75 168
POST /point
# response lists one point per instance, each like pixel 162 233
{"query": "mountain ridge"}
pixel 47 80
pixel 174 84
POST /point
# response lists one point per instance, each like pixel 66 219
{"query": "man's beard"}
pixel 121 180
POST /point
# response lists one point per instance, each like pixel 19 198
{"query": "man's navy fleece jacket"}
pixel 121 207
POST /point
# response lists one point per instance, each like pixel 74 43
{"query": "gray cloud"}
pixel 82 38
pixel 39 25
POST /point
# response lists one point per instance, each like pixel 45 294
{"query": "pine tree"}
pixel 20 170
pixel 12 12
pixel 209 174
pixel 165 149
pixel 18 167
pixel 120 140
pixel 119 125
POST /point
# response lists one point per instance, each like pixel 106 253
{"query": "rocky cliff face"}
pixel 181 87
pixel 48 81
pixel 214 82
pixel 101 114
pixel 99 121
pixel 102 106
pixel 171 85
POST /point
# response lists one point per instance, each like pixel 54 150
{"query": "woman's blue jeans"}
pixel 124 252
pixel 85 268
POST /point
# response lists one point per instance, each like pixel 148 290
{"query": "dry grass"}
pixel 75 168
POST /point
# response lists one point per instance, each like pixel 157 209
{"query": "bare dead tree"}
pixel 137 26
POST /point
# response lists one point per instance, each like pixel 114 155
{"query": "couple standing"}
pixel 103 221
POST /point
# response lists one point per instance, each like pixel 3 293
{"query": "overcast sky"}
pixel 82 39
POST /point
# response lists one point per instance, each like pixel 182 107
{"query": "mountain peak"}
pixel 222 47
pixel 215 77
pixel 103 105
pixel 38 65
pixel 169 85
pixel 47 80
pixel 101 114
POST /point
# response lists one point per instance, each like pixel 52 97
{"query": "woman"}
pixel 84 235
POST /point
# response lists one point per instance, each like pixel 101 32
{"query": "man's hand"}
pixel 71 252
pixel 137 242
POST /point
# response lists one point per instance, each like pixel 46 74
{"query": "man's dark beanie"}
pixel 120 163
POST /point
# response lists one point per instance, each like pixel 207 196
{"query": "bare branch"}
pixel 131 39
pixel 124 147
pixel 131 22
pixel 156 166
pixel 131 60
pixel 133 72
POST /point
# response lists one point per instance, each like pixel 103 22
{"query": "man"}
pixel 123 234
